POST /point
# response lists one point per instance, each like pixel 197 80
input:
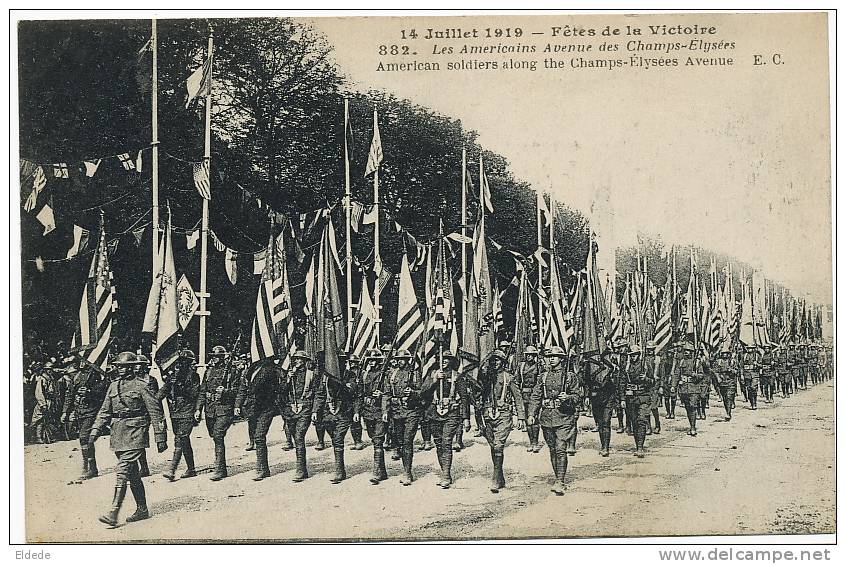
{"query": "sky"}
pixel 731 158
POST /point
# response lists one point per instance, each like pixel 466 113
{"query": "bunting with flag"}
pixel 273 326
pixel 199 83
pixel 201 178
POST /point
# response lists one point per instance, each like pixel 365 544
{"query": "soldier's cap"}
pixel 531 349
pixel 725 352
pixel 385 348
pixel 141 359
pixel 499 355
pixel 505 343
pixel 448 354
pixel 555 351
pixel 650 344
pixel 218 350
pixel 126 357
pixel 187 354
pixel 375 354
pixel 301 354
pixel 403 354
pixel 688 346
pixel 353 358
pixel 634 349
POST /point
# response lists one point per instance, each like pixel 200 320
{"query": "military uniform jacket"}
pixel 338 399
pixel 527 377
pixel 259 388
pixel 750 370
pixel 689 375
pixel 217 395
pixel 768 368
pixel 725 372
pixel 555 411
pixel 600 379
pixel 638 379
pixel 449 397
pixel 131 407
pixel 500 393
pixel 375 401
pixel 182 392
pixel 404 390
pixel 86 393
pixel 297 392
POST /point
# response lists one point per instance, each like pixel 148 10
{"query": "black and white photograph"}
pixel 380 277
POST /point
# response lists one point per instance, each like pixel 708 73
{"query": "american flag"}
pixel 273 326
pixel 374 158
pixel 409 318
pixel 201 178
pixel 363 334
pixel 92 337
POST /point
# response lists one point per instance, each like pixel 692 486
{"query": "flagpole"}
pixel 203 294
pixel 348 204
pixel 155 143
pixel 377 257
pixel 466 290
pixel 540 273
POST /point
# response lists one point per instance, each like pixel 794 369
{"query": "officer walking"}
pixel 688 374
pixel 406 411
pixel 338 404
pixel 84 397
pixel 445 393
pixel 182 389
pixel 128 407
pixel 375 410
pixel 217 397
pixel 555 406
pixel 297 394
pixel 725 374
pixel 260 388
pixel 527 378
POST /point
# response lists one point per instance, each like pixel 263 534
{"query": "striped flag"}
pixel 481 275
pixel 92 337
pixel 499 321
pixel 559 328
pixel 199 83
pixel 374 158
pixel 167 318
pixel 273 326
pixel 363 334
pixel 593 333
pixel 409 319
pixel 485 188
pixel 201 178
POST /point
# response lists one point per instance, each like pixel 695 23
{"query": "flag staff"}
pixel 203 293
pixel 465 290
pixel 377 257
pixel 155 142
pixel 540 272
pixel 347 206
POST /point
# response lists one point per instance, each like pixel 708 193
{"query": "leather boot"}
pixel 174 463
pixel 262 467
pixel 379 471
pixel 340 469
pixel 407 459
pixel 302 470
pixel 141 511
pixel 321 439
pixel 440 453
pixel 188 454
pixel 500 473
pixel 143 467
pixel 494 471
pixel 92 468
pixel 604 441
pixel 446 473
pixel 219 461
pixel 561 472
pixel 356 432
pixel 110 518
pixel 84 463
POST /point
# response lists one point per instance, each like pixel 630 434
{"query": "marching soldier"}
pixel 217 397
pixel 793 363
pixel 653 365
pixel 667 381
pixel 245 408
pixel 750 371
pixel 688 374
pixel 445 393
pixel 338 404
pixel 297 395
pixel 527 377
pixel 84 397
pixel 356 429
pixel 601 388
pixel 783 372
pixel 725 374
pixel 555 406
pixel 406 410
pixel 814 363
pixel 128 408
pixel 181 388
pixel 142 372
pixel 260 388
pixel 621 356
pixel 803 365
pixel 499 394
pixel 768 374
pixel 375 410
pixel 636 385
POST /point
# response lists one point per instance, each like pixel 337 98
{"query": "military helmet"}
pixel 187 354
pixel 688 346
pixel 499 355
pixel 402 354
pixel 505 343
pixel 650 345
pixel 374 354
pixel 353 358
pixel 301 353
pixel 126 357
pixel 218 350
pixel 141 359
pixel 448 354
pixel 386 348
pixel 555 351
pixel 531 349
pixel 634 349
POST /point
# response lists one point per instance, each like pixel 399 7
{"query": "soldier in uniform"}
pixel 768 374
pixel 814 363
pixel 129 407
pixel 725 374
pixel 375 410
pixel 601 388
pixel 217 397
pixel 527 378
pixel 637 381
pixel 621 355
pixel 260 388
pixel 297 394
pixel 142 372
pixel 653 366
pixel 803 365
pixel 667 382
pixel 783 371
pixel 354 375
pixel 750 371
pixel 555 405
pixel 338 404
pixel 499 394
pixel 406 410
pixel 688 374
pixel 245 408
pixel 84 397
pixel 181 388
pixel 445 393
pixel 793 364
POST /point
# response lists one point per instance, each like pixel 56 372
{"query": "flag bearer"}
pixel 181 388
pixel 406 410
pixel 725 374
pixel 84 397
pixel 260 387
pixel 637 382
pixel 337 404
pixel 654 366
pixel 527 377
pixel 354 375
pixel 217 398
pixel 601 388
pixel 297 394
pixel 142 372
pixel 751 372
pixel 375 410
pixel 688 374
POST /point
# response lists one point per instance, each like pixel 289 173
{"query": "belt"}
pixel 128 414
pixel 635 388
pixel 551 403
